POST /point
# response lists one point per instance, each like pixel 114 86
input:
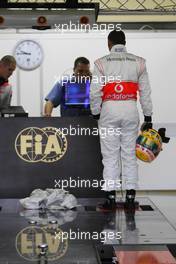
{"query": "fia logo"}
pixel 30 238
pixel 35 144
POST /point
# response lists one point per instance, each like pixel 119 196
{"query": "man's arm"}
pixel 48 108
pixel 53 99
pixel 96 92
pixel 145 93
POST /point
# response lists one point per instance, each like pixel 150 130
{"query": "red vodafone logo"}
pixel 118 88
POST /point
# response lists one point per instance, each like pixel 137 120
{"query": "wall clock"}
pixel 28 55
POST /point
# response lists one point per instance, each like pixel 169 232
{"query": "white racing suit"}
pixel 124 76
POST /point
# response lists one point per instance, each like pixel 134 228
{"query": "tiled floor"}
pixel 166 204
pixel 164 200
pixel 143 227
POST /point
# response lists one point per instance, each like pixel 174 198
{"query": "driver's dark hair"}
pixel 81 60
pixel 117 37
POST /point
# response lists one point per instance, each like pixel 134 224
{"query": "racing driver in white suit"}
pixel 114 103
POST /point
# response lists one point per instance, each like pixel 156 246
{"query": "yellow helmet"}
pixel 148 145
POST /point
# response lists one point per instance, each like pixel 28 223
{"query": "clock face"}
pixel 28 54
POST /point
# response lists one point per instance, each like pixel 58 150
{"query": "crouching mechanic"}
pixel 114 104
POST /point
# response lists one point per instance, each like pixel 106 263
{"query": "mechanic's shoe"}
pixel 130 199
pixel 110 203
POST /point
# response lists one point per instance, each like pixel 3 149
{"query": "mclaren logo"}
pixel 118 88
pixel 35 144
